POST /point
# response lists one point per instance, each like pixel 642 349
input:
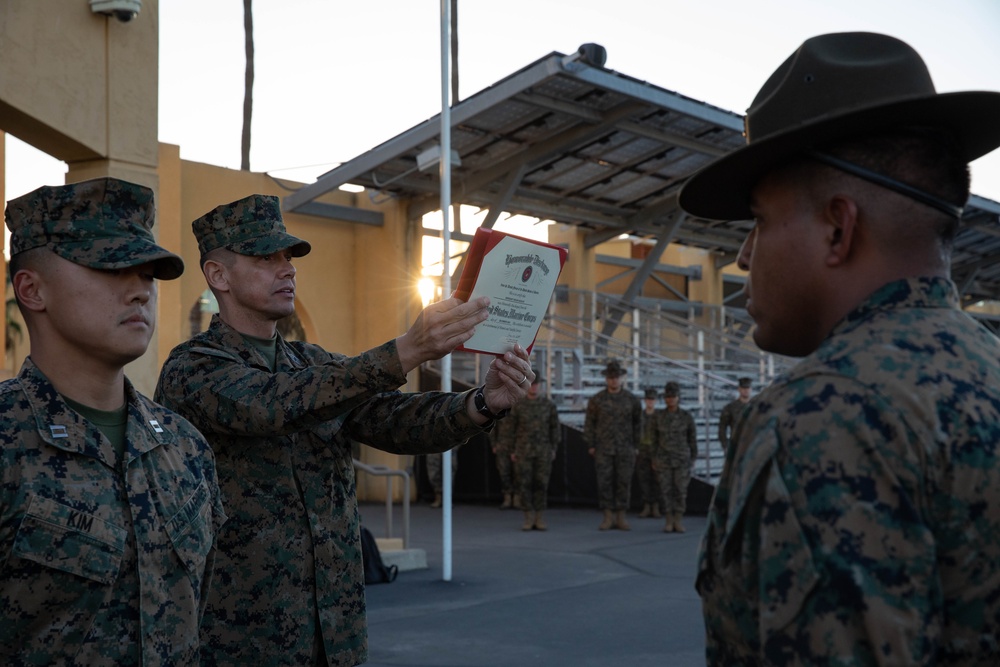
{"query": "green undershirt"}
pixel 268 348
pixel 111 423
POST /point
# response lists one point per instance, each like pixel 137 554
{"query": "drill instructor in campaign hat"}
pixel 857 519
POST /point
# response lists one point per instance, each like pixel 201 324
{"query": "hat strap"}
pixel 916 194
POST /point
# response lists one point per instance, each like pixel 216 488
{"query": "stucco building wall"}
pixel 84 89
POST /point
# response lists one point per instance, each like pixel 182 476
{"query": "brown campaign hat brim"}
pixel 837 87
pixel 722 189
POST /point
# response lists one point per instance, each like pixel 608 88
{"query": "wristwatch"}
pixel 479 400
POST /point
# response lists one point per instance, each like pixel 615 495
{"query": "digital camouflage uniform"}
pixel 106 560
pixel 435 465
pixel 857 520
pixel 675 448
pixel 502 443
pixel 728 419
pixel 289 563
pixel 612 427
pixel 106 545
pixel 649 483
pixel 537 434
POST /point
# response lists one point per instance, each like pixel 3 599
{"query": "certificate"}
pixel 519 276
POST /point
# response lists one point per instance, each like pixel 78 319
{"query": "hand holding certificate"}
pixel 519 276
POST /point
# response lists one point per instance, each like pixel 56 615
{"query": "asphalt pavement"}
pixel 569 596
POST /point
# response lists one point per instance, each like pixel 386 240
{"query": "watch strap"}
pixel 479 400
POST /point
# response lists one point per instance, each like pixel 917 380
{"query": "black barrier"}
pixel 573 482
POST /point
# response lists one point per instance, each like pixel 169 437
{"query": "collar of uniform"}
pixel 141 416
pixel 233 340
pixel 62 427
pixel 924 292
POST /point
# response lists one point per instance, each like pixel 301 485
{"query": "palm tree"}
pixel 247 85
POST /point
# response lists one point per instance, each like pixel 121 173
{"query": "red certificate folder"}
pixel 519 276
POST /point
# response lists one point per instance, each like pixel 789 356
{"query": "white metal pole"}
pixel 635 349
pixel 703 403
pixel 446 273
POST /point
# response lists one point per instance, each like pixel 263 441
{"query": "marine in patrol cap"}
pixel 650 393
pixel 249 226
pixel 672 389
pixel 104 223
pixel 746 382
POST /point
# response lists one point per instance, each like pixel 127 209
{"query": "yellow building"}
pixel 563 139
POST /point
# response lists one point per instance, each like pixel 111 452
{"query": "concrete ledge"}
pixel 407 560
pixel 389 544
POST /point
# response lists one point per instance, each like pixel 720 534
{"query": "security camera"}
pixel 593 54
pixel 123 10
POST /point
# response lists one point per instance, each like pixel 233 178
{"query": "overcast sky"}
pixel 334 79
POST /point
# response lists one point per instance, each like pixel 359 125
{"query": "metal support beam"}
pixel 638 280
pixel 672 138
pixel 498 207
pixel 596 238
pixel 965 276
pixel 429 130
pixel 455 236
pixel 968 280
pixel 345 213
pixel 725 259
pixel 663 208
pixel 667 286
pixel 735 296
pixel 544 150
pixel 693 272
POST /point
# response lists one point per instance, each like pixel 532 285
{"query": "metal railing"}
pixel 389 473
pixel 703 348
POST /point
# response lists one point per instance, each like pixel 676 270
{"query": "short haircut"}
pixel 29 259
pixel 223 256
pixel 925 158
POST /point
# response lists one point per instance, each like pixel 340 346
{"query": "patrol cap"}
pixel 249 226
pixel 650 393
pixel 745 382
pixel 104 223
pixel 671 389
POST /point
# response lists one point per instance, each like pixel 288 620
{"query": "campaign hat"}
pixel 249 226
pixel 836 87
pixel 614 369
pixel 102 223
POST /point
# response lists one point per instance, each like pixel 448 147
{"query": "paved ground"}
pixel 571 596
